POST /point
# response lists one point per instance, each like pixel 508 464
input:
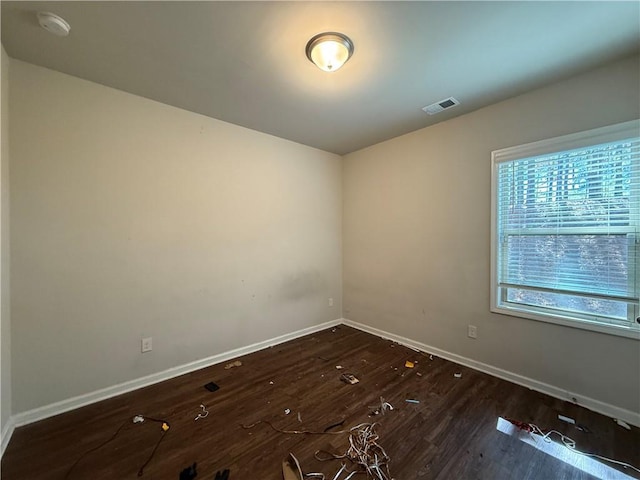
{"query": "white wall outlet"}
pixel 473 331
pixel 330 302
pixel 147 344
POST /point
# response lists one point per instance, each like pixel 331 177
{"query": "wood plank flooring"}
pixel 451 434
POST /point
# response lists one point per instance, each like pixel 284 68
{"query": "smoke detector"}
pixel 441 106
pixel 53 23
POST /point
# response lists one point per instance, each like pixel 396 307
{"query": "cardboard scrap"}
pixel 349 378
pixel 237 363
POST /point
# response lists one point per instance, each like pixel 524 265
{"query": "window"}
pixel 566 230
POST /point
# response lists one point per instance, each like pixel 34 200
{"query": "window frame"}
pixel 560 144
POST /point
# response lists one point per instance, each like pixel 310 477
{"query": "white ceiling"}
pixel 245 63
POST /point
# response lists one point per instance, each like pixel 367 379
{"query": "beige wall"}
pixel 131 218
pixel 5 319
pixel 416 241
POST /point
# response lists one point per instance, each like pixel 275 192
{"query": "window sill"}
pixel 620 331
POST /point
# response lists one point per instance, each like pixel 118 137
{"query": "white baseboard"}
pixel 5 435
pixel 557 392
pixel 63 406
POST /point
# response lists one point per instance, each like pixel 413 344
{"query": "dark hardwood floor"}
pixel 451 434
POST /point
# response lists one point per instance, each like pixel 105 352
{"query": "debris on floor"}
pixel 409 364
pixel 566 419
pixel 189 473
pixel 567 442
pixel 287 411
pixel 364 452
pixel 291 468
pixel 382 408
pixel 457 375
pixel 203 414
pixel 622 423
pixel 212 387
pixel 583 428
pixel 231 365
pixel 430 357
pixel 339 367
pixel 518 424
pixel 334 425
pixel 411 400
pixel 294 432
pixel 222 474
pixel 349 378
pixel 342 469
pixel 165 428
pixel 418 374
pixel 299 417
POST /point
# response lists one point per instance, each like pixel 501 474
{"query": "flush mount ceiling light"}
pixel 329 50
pixel 54 24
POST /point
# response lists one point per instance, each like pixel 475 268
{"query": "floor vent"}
pixel 441 105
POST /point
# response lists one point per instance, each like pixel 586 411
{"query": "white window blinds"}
pixel 567 228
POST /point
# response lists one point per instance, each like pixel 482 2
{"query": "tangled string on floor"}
pixel 364 454
pixel 566 441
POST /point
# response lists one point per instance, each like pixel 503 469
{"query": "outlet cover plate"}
pixel 473 331
pixel 147 344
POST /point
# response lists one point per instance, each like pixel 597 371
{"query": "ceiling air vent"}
pixel 441 105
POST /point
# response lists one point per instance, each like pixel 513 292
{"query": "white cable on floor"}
pixel 203 414
pixel 571 445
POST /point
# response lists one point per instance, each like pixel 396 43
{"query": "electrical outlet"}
pixel 330 302
pixel 147 344
pixel 473 331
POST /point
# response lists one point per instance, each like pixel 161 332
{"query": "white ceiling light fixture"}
pixel 329 50
pixel 53 23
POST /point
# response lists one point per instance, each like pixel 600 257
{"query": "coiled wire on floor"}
pixel 364 455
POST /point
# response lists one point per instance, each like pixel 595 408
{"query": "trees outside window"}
pixel 566 227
